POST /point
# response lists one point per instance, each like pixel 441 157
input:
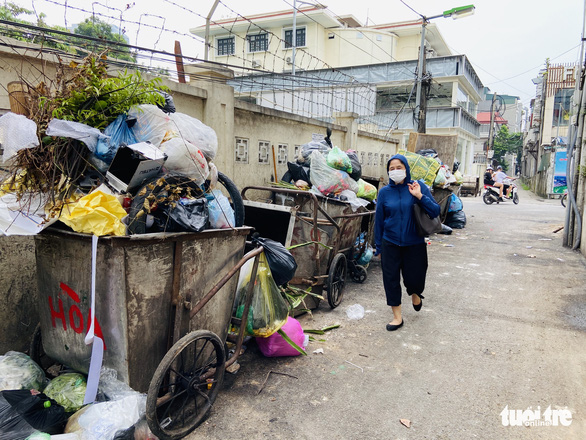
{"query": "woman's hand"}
pixel 415 189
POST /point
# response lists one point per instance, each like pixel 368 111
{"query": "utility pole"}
pixel 491 128
pixel 420 103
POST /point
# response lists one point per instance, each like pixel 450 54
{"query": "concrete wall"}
pixel 18 293
pixel 254 124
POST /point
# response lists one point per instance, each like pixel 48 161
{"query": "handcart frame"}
pixel 328 270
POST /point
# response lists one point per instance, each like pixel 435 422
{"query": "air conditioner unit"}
pixel 288 60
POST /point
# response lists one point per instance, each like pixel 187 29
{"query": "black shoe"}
pixel 417 307
pixel 393 327
pixel 500 199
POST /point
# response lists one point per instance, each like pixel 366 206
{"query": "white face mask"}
pixel 397 176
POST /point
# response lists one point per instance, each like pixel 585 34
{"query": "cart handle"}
pixel 298 193
pixel 253 253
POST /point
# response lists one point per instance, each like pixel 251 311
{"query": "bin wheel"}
pixel 336 280
pixel 36 351
pixel 360 274
pixel 185 385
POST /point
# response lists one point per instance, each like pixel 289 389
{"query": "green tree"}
pixel 14 13
pixel 506 142
pixel 96 28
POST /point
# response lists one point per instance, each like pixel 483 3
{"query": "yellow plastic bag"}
pixel 422 167
pixel 97 213
pixel 268 310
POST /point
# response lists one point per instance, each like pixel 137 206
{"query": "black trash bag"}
pixel 446 230
pixel 456 220
pixel 281 262
pixel 356 167
pixel 169 106
pixel 297 172
pixel 456 166
pixel 185 215
pixel 429 152
pixel 22 413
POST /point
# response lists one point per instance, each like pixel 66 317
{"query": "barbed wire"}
pixel 303 90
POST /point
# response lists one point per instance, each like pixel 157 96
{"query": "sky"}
pixel 507 41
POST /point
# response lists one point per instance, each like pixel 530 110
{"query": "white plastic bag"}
pixel 185 158
pixel 152 124
pixel 353 200
pixel 16 133
pixel 328 180
pixel 75 130
pixel 20 372
pixel 196 132
pixel 355 311
pixel 221 213
pixel 101 421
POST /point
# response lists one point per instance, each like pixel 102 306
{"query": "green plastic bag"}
pixel 268 311
pixel 366 190
pixel 339 160
pixel 68 390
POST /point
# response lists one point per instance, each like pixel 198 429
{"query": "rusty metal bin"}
pixel 138 281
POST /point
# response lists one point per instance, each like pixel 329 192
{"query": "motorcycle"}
pixel 491 193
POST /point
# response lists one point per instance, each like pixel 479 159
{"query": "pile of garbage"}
pixel 331 172
pixel 425 165
pixel 108 156
pixel 32 407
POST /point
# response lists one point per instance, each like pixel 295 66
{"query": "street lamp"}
pixel 454 13
pixel 294 31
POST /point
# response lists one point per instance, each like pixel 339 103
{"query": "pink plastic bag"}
pixel 275 345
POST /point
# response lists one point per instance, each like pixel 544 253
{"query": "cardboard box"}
pixel 133 165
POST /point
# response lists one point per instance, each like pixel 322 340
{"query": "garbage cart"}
pixel 320 232
pixel 163 309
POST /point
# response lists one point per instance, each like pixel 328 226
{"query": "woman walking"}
pixel 403 251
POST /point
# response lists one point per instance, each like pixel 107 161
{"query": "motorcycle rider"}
pixel 499 178
pixel 488 176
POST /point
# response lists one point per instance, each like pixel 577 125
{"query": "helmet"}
pixel 488 168
pixel 499 167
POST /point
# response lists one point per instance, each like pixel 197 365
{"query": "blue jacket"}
pixel 394 220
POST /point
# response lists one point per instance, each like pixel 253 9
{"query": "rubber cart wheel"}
pixel 487 198
pixel 359 275
pixel 336 280
pixel 516 199
pixel 185 385
pixel 36 351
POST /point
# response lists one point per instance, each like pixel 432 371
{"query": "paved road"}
pixel 503 325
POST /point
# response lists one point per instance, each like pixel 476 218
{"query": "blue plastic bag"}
pixel 118 132
pixel 220 211
pixel 455 204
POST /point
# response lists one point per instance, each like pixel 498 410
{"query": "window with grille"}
pixel 282 154
pixel 258 43
pixel 225 46
pixel 297 149
pixel 241 151
pixel 299 37
pixel 362 155
pixel 263 152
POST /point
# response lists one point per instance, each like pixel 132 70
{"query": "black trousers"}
pixel 409 261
